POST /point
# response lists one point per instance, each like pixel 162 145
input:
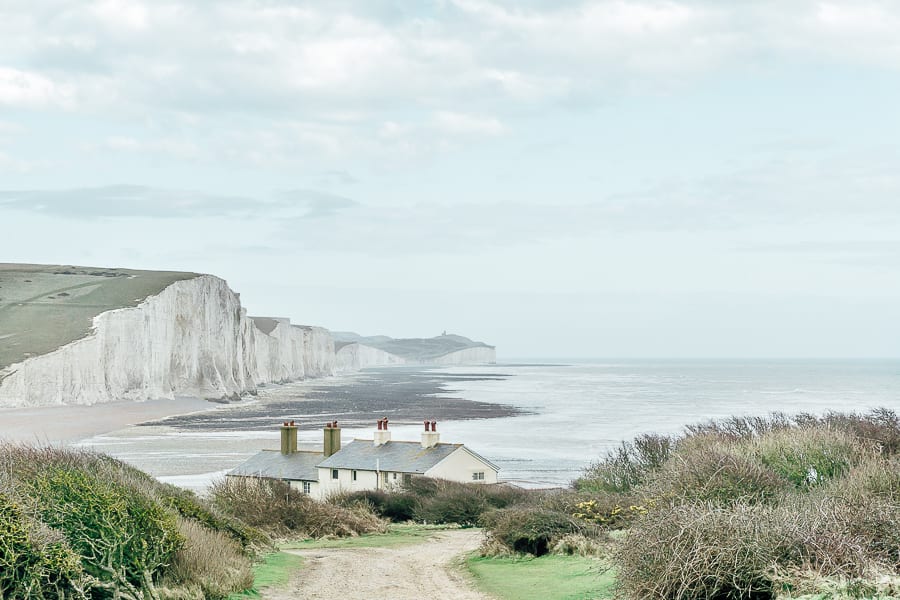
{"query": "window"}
pixel 307 487
pixel 478 476
pixel 334 473
pixel 395 477
pixel 407 478
pixel 384 477
pixel 354 475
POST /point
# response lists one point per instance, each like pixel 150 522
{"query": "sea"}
pixel 568 413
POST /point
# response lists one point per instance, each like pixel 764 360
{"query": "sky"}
pixel 688 178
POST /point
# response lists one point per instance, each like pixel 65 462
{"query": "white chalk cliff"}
pixel 356 356
pixel 191 339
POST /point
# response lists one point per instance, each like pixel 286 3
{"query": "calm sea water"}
pixel 577 412
pixel 585 408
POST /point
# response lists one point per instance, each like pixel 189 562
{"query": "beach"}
pixel 69 424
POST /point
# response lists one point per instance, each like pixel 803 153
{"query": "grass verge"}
pixel 549 577
pixel 274 570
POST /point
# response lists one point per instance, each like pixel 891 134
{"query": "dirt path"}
pixel 409 572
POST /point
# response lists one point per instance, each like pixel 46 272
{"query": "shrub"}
pixel 398 507
pixel 699 552
pixel 273 506
pixel 577 544
pixel 442 501
pixel 34 562
pixel 808 457
pixel 715 473
pixel 211 561
pixel 628 466
pixel 529 530
pixel 125 541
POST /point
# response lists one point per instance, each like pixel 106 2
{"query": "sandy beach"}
pixel 69 424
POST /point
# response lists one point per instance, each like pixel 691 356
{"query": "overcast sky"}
pixel 562 179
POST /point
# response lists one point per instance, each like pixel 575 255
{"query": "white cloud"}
pixel 456 123
pixel 32 90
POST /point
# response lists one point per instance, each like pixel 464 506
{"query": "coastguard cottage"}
pixel 376 464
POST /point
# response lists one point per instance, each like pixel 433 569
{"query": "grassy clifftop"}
pixel 43 307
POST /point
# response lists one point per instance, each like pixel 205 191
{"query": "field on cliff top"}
pixel 43 307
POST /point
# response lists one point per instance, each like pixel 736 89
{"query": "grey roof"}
pixel 402 457
pixel 299 466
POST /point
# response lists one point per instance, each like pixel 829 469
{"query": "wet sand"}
pixel 67 424
pixel 405 395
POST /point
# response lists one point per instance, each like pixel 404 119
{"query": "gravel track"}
pixel 408 572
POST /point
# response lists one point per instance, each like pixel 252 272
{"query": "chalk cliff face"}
pixel 355 356
pixel 192 339
pixel 468 356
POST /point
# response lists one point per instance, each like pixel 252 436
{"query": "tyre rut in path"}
pixel 407 572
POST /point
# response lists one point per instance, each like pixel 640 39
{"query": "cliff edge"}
pixel 171 334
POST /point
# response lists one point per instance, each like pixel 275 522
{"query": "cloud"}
pixel 317 205
pixel 132 201
pixel 32 90
pixel 372 79
pixel 462 124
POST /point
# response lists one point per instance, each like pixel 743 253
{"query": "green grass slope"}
pixel 43 307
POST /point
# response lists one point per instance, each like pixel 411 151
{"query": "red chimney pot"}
pixel 385 423
pixel 426 425
pixel 434 425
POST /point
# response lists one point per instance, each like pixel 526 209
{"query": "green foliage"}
pixel 124 539
pixel 714 472
pixel 808 457
pixel 31 567
pixel 625 468
pixel 75 524
pixel 189 506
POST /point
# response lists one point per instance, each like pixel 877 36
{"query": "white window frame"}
pixel 477 475
pixel 307 487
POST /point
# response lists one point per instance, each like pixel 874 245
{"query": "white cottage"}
pixel 376 464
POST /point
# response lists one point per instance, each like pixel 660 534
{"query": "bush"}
pixel 108 530
pixel 398 507
pixel 628 466
pixel 34 563
pixel 699 552
pixel 714 473
pixel 125 541
pixel 274 507
pixel 210 561
pixel 442 501
pixel 529 530
pixel 808 457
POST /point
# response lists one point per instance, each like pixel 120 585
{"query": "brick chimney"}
pixel 288 437
pixel 382 435
pixel 332 439
pixel 430 437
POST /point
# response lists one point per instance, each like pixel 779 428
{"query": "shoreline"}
pixel 68 424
